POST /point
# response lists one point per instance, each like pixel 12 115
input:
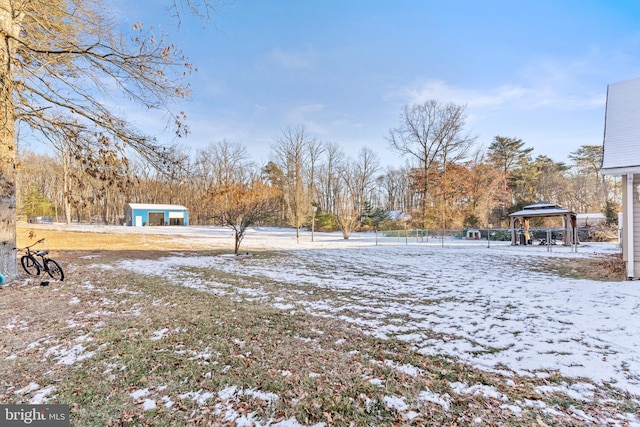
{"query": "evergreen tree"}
pixel 610 213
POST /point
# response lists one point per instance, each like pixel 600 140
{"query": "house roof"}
pixel 621 153
pixel 160 207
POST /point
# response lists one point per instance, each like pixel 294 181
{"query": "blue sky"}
pixel 535 70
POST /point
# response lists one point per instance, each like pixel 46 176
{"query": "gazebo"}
pixel 545 209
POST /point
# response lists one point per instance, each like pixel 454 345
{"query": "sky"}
pixel 534 70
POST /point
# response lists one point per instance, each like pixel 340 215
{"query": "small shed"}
pixel 591 219
pixel 544 209
pixel 473 234
pixel 142 214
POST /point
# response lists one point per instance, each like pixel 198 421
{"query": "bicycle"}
pixel 33 267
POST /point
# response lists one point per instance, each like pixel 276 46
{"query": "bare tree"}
pixel 88 158
pixel 227 162
pixel 240 205
pixel 394 186
pixel 316 148
pixel 291 152
pixel 433 135
pixel 66 57
pixel 328 176
pixel 219 164
pixel 357 181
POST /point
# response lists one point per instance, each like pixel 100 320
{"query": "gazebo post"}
pixel 527 235
pixel 513 231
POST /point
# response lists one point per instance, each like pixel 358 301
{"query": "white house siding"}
pixel 621 157
pixel 636 226
pixel 622 127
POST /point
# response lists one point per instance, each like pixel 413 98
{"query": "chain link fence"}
pixel 535 236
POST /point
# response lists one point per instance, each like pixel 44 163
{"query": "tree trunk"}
pixel 8 265
pixel 66 190
pixel 237 240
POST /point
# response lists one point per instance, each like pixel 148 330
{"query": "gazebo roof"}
pixel 542 209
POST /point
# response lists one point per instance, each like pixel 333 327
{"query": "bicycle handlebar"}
pixel 33 244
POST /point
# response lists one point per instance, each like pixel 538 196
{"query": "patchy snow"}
pixel 257 394
pixel 148 405
pixel 198 396
pixel 486 306
pixel 429 396
pixel 168 403
pixel 158 335
pixel 28 388
pixel 226 402
pixel 513 408
pixel 68 354
pixel 292 422
pixel 396 403
pixel 377 381
pixel 477 390
pixel 19 325
pixel 139 393
pixel 406 369
pixel 578 391
pixel 41 396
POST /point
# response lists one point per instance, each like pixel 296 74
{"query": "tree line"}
pixel 447 180
pixel 65 64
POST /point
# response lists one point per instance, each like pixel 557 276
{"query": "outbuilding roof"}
pixel 160 207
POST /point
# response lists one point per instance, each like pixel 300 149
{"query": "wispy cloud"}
pixel 444 92
pixel 550 82
pixel 291 59
pixel 505 96
pixel 309 114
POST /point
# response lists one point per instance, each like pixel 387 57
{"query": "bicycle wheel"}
pixel 30 265
pixel 54 269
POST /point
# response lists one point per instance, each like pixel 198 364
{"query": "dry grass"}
pixel 320 369
pixel 605 268
pixel 77 240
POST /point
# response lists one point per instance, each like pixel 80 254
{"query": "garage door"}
pixel 156 218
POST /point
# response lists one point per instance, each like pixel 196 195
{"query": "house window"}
pixel 176 221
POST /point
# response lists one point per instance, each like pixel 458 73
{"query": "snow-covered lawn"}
pixel 485 305
pixel 493 307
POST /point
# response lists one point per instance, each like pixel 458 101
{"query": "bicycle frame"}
pixel 33 255
pixel 33 266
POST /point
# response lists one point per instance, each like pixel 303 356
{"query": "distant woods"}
pixel 448 180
